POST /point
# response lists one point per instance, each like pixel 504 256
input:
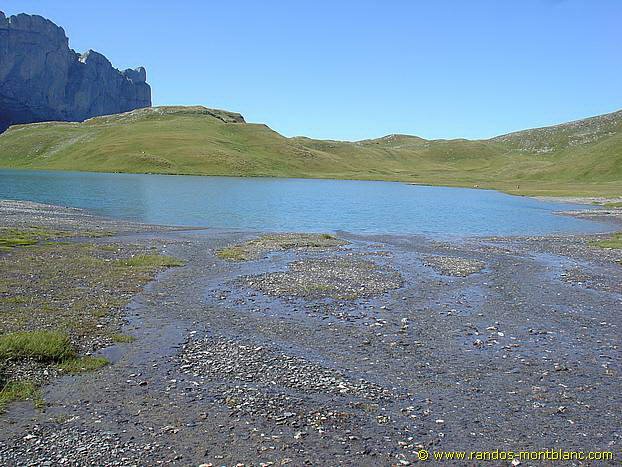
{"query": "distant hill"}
pixel 581 158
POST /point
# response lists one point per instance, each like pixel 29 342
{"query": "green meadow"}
pixel 582 158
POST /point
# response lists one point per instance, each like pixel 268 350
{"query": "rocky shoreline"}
pixel 359 350
pixel 606 210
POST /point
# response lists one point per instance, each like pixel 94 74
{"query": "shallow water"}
pixel 287 204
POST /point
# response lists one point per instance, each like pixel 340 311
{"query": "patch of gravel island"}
pixel 257 248
pixel 591 280
pixel 259 382
pixel 218 358
pixel 334 277
pixel 454 266
pixel 26 214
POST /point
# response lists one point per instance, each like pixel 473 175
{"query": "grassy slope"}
pixel 580 158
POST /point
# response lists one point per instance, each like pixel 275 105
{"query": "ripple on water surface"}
pixel 302 205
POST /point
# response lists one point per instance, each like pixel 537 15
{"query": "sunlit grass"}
pixel 46 346
pixel 20 391
pixel 252 249
pixel 83 364
pixel 615 242
pixel 232 253
pixel 151 261
pixel 122 338
pixel 12 238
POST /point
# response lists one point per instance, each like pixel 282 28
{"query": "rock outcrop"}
pixel 42 79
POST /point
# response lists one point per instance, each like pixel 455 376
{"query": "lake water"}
pixel 275 204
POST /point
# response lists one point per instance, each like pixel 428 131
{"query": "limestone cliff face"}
pixel 42 79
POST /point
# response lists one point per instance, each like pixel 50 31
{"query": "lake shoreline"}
pixel 358 352
pixel 531 189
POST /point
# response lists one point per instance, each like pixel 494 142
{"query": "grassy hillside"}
pixel 580 158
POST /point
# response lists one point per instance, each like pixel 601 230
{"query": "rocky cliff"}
pixel 42 79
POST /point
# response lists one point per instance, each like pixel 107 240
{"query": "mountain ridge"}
pixel 42 79
pixel 581 157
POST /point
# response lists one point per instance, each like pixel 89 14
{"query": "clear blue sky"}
pixel 360 69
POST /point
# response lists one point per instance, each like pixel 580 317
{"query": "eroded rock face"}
pixel 42 79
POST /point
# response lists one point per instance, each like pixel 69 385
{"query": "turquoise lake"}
pixel 277 204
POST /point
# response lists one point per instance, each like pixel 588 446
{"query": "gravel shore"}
pixel 360 351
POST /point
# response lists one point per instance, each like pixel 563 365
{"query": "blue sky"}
pixel 362 69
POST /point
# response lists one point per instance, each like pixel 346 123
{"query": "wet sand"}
pixel 360 354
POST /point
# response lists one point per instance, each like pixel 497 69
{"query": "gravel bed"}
pixel 332 277
pixel 584 278
pixel 454 266
pixel 73 446
pixel 600 213
pixel 285 409
pixel 582 247
pixel 19 214
pixel 255 381
pixel 608 214
pixel 310 379
pixel 220 358
pixel 27 370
